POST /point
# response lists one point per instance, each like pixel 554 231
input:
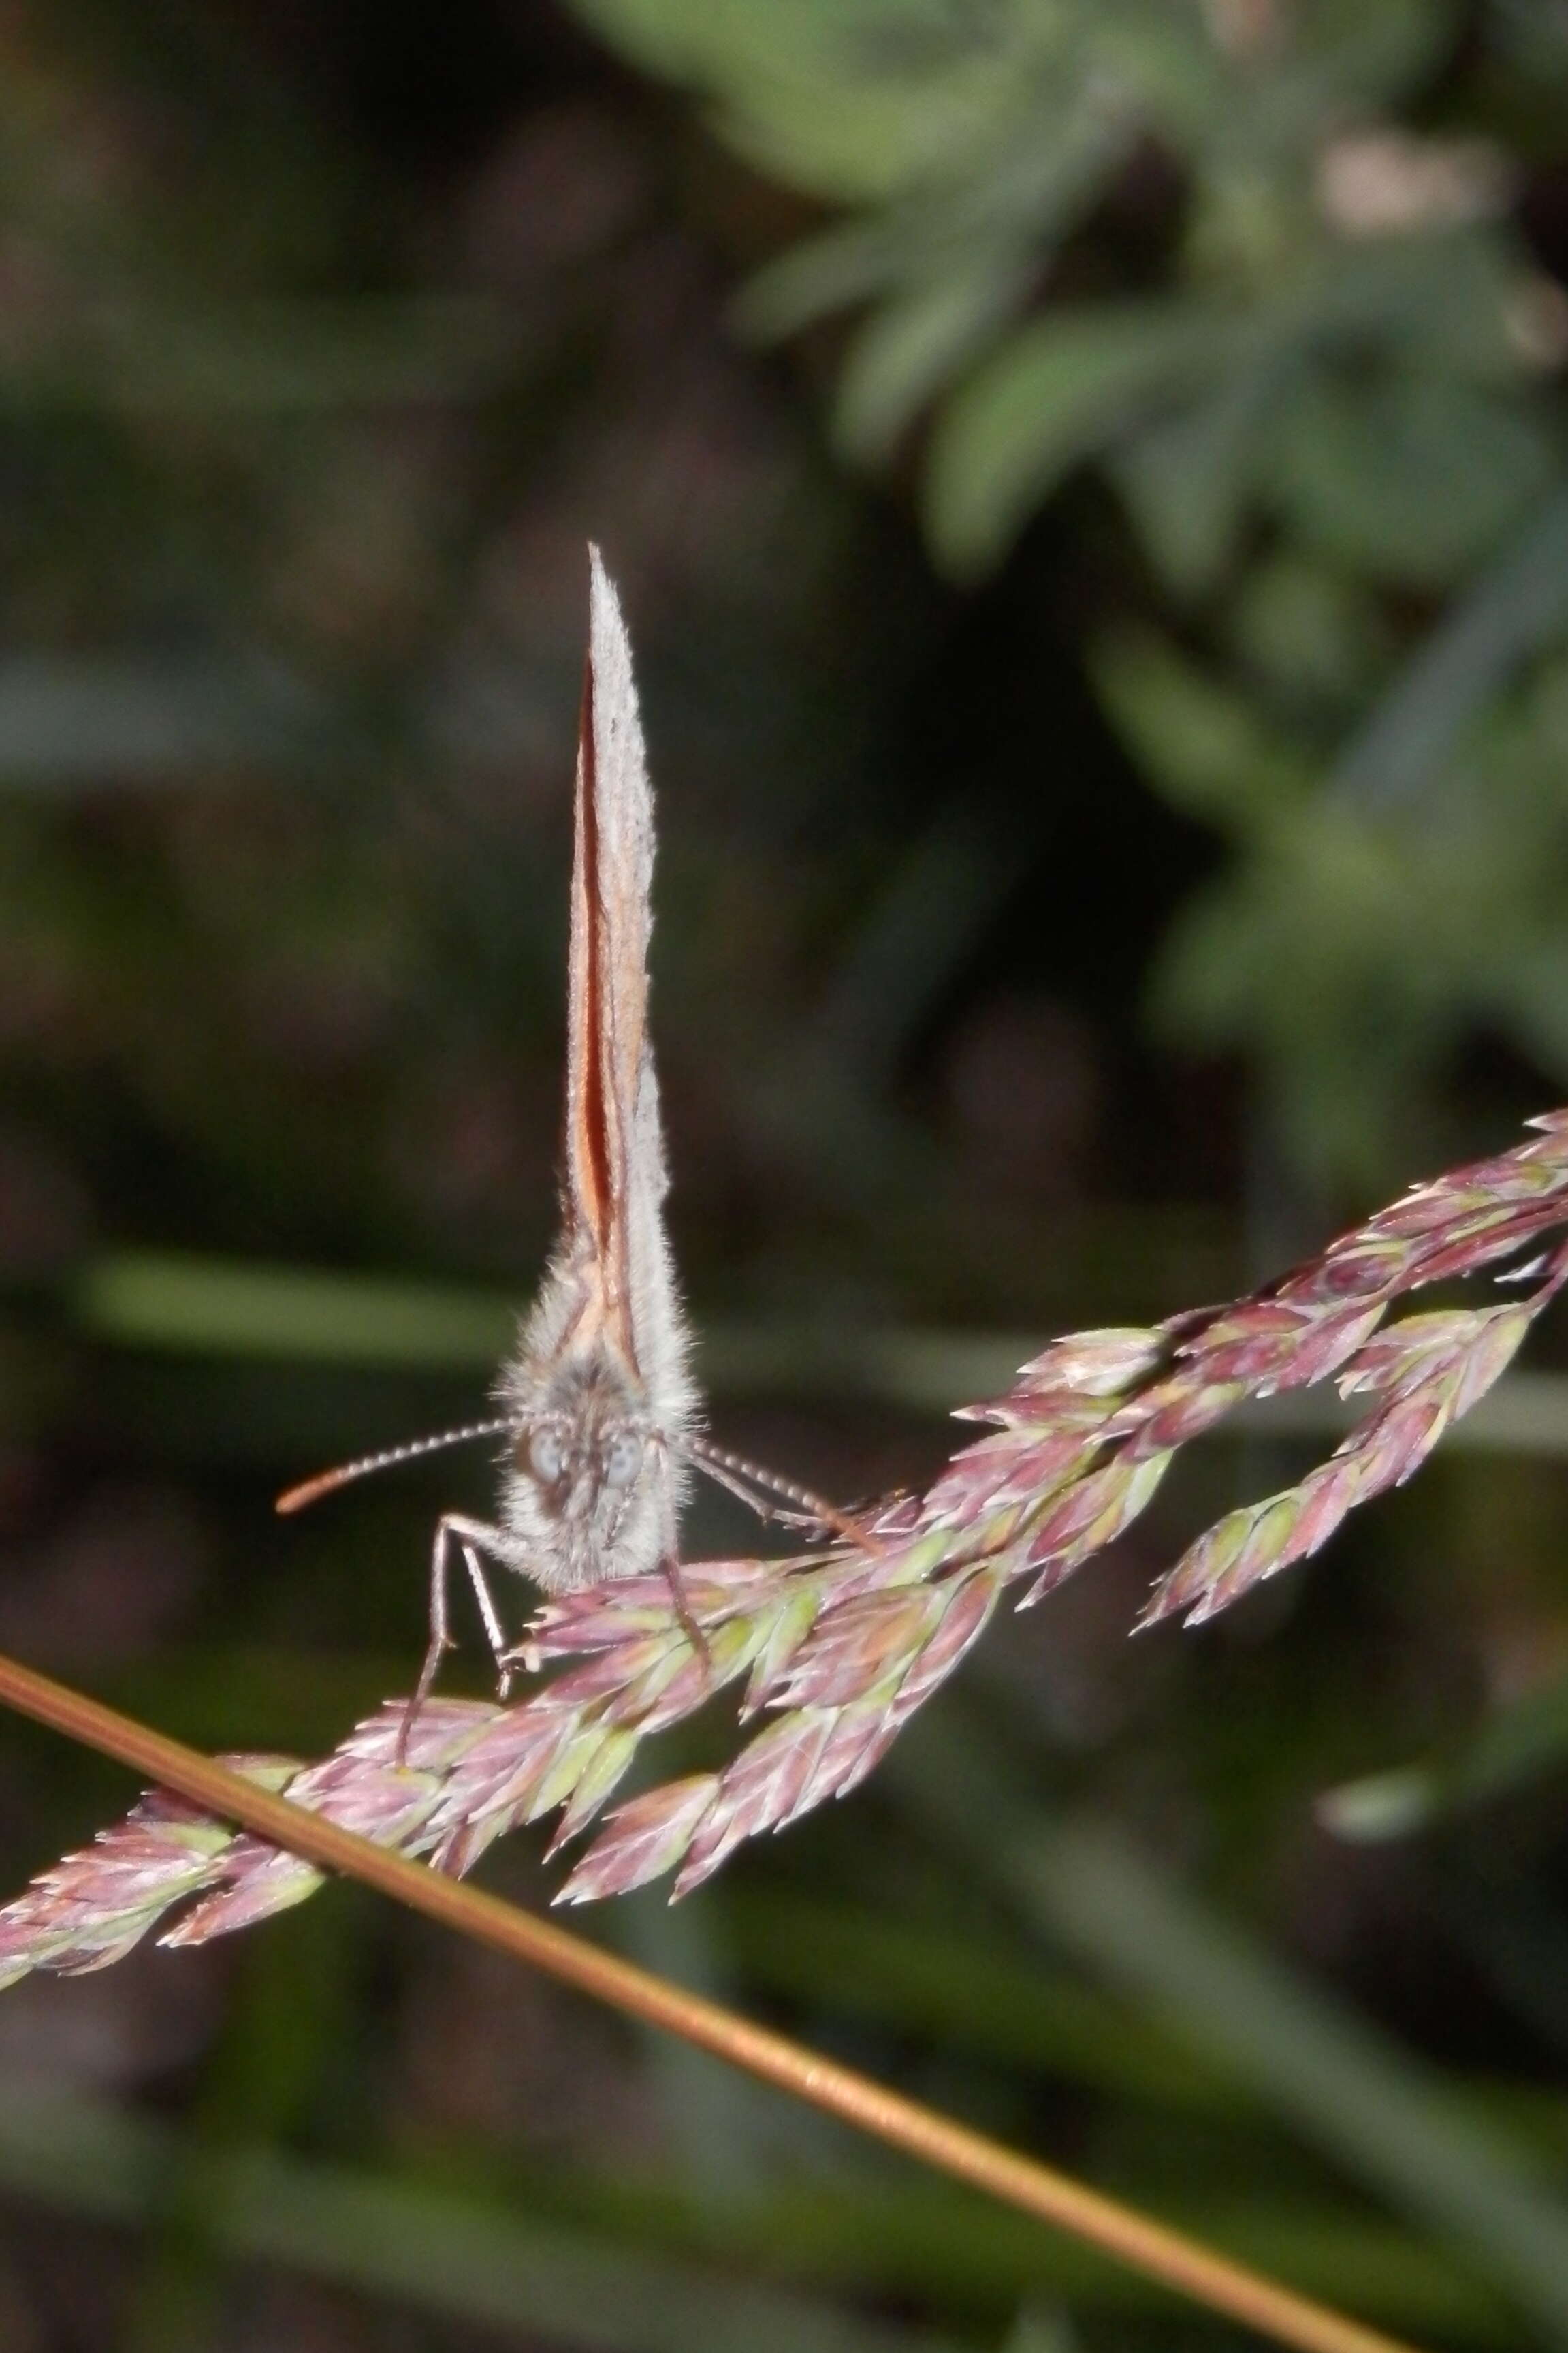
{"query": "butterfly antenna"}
pixel 735 1473
pixel 323 1484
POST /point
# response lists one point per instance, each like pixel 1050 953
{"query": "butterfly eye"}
pixel 623 1459
pixel 546 1456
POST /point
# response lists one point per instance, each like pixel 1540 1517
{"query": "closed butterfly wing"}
pixel 600 1375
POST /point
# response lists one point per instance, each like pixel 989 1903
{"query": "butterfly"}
pixel 596 1403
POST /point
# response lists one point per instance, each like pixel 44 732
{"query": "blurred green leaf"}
pixel 1413 479
pixel 910 348
pixel 1512 1747
pixel 1515 605
pixel 846 264
pixel 1211 751
pixel 1064 389
pixel 980 1995
pixel 1188 480
pixel 494 2267
pixel 508 2261
pixel 167 1300
pixel 967 240
pixel 1312 634
pixel 850 106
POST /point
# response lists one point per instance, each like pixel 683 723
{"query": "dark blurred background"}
pixel 1089 481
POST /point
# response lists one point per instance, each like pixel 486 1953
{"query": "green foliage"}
pixel 1313 360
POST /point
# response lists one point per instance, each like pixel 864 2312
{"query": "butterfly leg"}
pixel 440 1637
pixel 670 1568
pixel 813 1512
pixel 471 1536
pixel 481 1540
pixel 769 1512
pixel 494 1633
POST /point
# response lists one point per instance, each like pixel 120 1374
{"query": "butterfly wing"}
pixel 606 1022
pixel 615 1175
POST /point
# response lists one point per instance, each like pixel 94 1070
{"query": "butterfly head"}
pixel 579 1465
